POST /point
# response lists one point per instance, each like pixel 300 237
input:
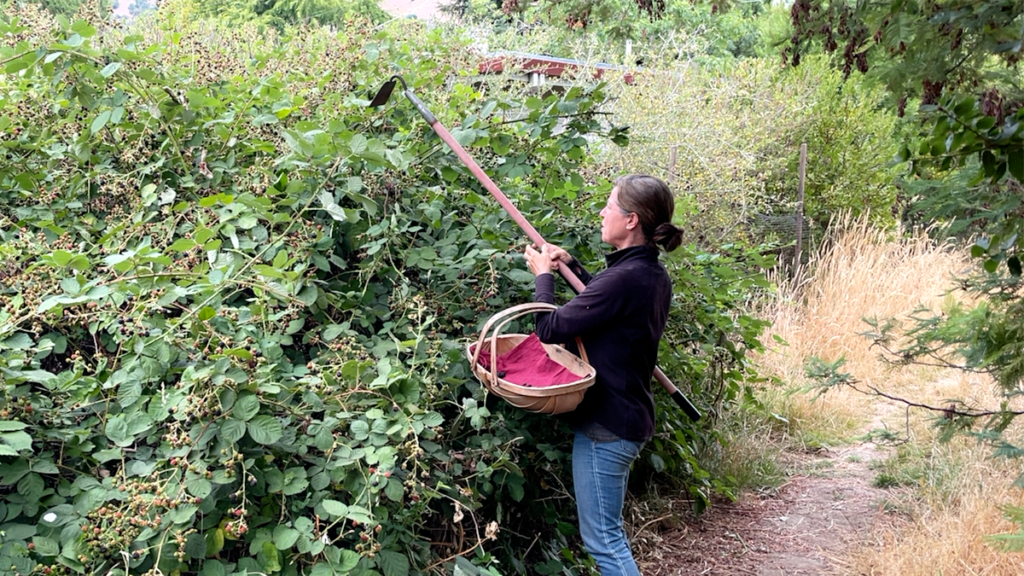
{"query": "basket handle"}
pixel 498 316
pixel 502 319
pixel 501 326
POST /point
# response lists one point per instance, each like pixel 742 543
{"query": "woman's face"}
pixel 616 227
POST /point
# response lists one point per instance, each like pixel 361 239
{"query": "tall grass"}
pixel 942 498
pixel 859 272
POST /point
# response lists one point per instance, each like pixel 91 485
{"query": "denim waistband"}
pixel 596 432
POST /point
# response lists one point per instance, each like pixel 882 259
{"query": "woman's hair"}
pixel 654 204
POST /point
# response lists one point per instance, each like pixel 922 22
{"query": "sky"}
pixel 122 7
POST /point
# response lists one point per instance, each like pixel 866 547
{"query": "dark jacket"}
pixel 620 318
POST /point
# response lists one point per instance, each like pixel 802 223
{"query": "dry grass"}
pixel 947 496
pixel 950 496
pixel 945 520
pixel 861 272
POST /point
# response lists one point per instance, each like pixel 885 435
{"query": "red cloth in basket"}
pixel 528 364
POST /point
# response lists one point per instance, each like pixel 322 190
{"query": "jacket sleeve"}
pixel 580 271
pixel 599 305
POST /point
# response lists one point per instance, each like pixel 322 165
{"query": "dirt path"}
pixel 799 529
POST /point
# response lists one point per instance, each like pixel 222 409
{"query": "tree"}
pixel 953 67
pixel 959 61
pixel 283 12
pixel 70 7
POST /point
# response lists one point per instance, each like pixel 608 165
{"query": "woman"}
pixel 620 318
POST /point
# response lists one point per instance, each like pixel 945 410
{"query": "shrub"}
pixel 233 303
pixel 737 131
pixel 234 298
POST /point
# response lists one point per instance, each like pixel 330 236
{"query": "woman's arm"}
pixel 588 312
pixel 542 261
pixel 580 271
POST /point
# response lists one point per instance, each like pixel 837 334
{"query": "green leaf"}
pixel 349 559
pixel 83 29
pixel 46 546
pixel 432 419
pixel 265 429
pixel 360 430
pixel 199 487
pixel 359 514
pixel 129 392
pixel 285 537
pixel 142 468
pixel 332 331
pixel 281 259
pixel 100 121
pixel 309 295
pixel 195 546
pixel 70 285
pixel 357 144
pixel 269 558
pixel 61 257
pixel 11 425
pixel 31 486
pixel 394 490
pixel 202 235
pixel 108 455
pixel 110 69
pixel 232 430
pixel 466 568
pixel 182 245
pixel 336 212
pixel 322 569
pixel 18 532
pixel 295 325
pixel 263 119
pixel 18 341
pixel 1015 163
pixel 117 431
pixel 17 441
pixel 214 544
pixel 393 563
pixel 246 407
pixel 334 508
pixel 206 313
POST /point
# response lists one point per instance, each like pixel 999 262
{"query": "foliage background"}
pixel 235 300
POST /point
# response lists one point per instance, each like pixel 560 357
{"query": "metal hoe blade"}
pixel 383 94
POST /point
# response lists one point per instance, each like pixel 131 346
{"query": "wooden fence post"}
pixel 800 208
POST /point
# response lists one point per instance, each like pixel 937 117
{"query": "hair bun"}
pixel 668 236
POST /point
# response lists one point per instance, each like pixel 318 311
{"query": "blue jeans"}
pixel 600 471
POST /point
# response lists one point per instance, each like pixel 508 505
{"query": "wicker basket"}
pixel 548 400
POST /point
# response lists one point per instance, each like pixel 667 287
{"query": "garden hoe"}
pixel 382 97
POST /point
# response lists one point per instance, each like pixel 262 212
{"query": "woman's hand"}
pixel 539 262
pixel 543 261
pixel 557 254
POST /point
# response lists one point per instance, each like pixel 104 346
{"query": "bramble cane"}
pixel 382 97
